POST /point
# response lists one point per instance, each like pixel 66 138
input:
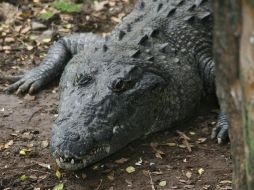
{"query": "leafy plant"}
pixel 46 16
pixel 65 6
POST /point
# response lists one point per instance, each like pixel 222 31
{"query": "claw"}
pixel 215 131
pixel 221 130
pixel 14 86
pixel 35 86
pixel 11 79
pixel 18 92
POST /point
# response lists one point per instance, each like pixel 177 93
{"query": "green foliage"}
pixel 66 6
pixel 46 16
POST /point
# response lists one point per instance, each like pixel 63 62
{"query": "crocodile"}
pixel 149 74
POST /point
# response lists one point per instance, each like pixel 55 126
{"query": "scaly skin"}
pixel 149 74
pixel 53 65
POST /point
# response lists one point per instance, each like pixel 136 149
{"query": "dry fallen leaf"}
pixel 188 174
pixel 163 183
pixel 23 178
pixel 225 182
pixel 139 163
pixel 183 135
pixel 43 176
pixel 27 136
pixel 121 160
pixel 29 97
pixel 116 19
pixel 9 39
pixel 111 177
pixel 9 12
pixel 29 47
pixel 98 6
pixel 130 169
pixel 183 181
pixel 158 153
pixel 128 182
pixel 201 171
pixel 44 165
pixel 189 186
pixel 59 186
pixel 34 177
pixel 46 40
pixel 157 173
pixel 25 30
pixel 181 146
pixel 23 152
pixel 6 47
pixel 201 140
pixel 38 26
pixel 192 133
pixel 171 144
pixel 8 144
pixel 58 174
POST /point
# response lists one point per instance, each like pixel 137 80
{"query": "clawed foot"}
pixel 220 132
pixel 28 83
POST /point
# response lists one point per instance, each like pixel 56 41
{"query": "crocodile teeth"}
pixel 72 161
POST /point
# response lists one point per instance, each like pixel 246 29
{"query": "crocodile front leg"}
pixel 207 72
pixel 52 66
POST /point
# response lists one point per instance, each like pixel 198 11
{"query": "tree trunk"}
pixel 234 57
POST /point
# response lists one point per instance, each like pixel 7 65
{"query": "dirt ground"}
pixel 180 158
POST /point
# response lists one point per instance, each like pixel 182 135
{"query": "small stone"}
pixel 38 26
pixel 29 97
pixel 188 174
pixel 44 144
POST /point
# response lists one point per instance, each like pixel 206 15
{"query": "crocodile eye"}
pixel 120 85
pixel 83 80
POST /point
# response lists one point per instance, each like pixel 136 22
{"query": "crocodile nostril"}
pixel 72 136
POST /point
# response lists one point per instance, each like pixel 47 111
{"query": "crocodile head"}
pixel 105 104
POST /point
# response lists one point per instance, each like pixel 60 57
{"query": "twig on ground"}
pixel 31 117
pixel 99 186
pixel 40 171
pixel 151 181
pixel 185 139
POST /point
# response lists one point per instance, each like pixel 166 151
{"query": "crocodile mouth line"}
pixel 93 156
